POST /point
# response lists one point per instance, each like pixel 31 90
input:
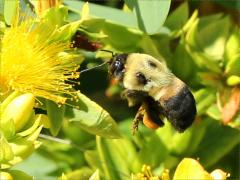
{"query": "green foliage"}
pixel 92 118
pixel 204 52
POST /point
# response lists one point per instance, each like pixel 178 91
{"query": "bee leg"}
pixel 134 97
pixel 153 112
pixel 138 118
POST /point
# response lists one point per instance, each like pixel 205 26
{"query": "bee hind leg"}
pixel 138 118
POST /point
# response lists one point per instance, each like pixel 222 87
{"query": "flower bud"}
pixel 233 80
pixel 19 110
pixel 5 176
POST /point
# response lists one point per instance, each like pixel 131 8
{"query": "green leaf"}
pixel 214 112
pixel 182 64
pixel 6 152
pixel 111 14
pixel 20 175
pixel 178 17
pixel 216 143
pixel 10 10
pixel 56 16
pixel 232 46
pixel 38 165
pixel 127 42
pixel 82 173
pixel 93 118
pixel 151 156
pixel 122 38
pixel 95 176
pixel 212 37
pixel 109 169
pixel 124 159
pixel 151 14
pixel 55 115
pixel 233 66
pixel 204 99
pixel 208 36
pixel 92 158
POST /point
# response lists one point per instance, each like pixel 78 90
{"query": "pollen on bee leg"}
pixel 148 122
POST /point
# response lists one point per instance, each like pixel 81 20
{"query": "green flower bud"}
pixel 233 80
pixel 5 176
pixel 19 110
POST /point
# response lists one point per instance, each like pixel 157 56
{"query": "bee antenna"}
pixel 85 70
pixel 105 50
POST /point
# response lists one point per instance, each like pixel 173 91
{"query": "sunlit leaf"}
pixel 150 14
pixel 109 168
pixel 6 152
pixel 99 11
pixel 233 66
pixel 204 99
pixel 10 9
pixel 232 46
pixel 93 118
pixel 55 116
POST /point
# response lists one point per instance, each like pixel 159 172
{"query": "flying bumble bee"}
pixel 150 84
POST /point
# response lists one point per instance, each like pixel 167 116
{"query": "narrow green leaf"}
pixel 125 159
pixel 177 19
pixel 232 46
pixel 55 115
pixel 233 66
pixel 92 158
pixel 93 118
pixel 6 152
pixel 109 169
pixel 10 9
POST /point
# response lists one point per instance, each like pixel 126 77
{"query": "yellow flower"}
pixel 33 62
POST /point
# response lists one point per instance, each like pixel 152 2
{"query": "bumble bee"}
pixel 149 83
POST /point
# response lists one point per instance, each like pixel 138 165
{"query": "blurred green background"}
pixel 200 42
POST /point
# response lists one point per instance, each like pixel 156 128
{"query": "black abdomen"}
pixel 180 110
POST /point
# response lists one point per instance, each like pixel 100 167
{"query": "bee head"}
pixel 117 65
